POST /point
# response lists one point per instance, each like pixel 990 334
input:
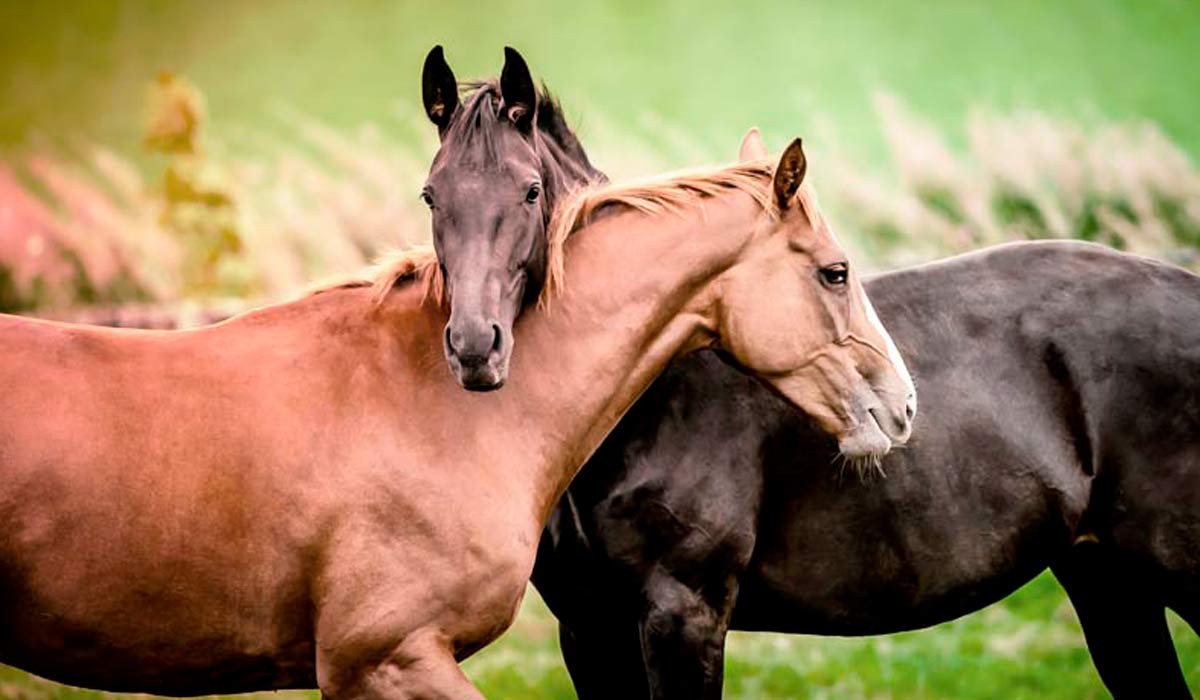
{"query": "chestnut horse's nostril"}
pixel 495 338
pixel 910 409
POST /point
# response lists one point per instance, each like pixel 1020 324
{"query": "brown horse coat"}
pixel 303 495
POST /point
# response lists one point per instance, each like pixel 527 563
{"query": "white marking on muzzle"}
pixel 892 351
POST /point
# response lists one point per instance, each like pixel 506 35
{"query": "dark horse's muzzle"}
pixel 477 351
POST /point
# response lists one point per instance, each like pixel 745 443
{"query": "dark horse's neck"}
pixel 568 153
pixel 565 163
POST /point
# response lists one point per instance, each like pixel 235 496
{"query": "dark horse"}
pixel 1060 385
pixel 506 158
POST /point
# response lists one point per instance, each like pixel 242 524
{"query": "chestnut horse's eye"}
pixel 535 190
pixel 835 275
pixel 427 198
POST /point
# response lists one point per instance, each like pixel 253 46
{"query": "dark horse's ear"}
pixel 516 87
pixel 789 173
pixel 439 89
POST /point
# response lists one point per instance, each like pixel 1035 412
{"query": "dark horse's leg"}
pixel 667 532
pixel 683 638
pixel 604 663
pixel 1124 622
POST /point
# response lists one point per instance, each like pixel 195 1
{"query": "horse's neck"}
pixel 638 292
pixel 571 171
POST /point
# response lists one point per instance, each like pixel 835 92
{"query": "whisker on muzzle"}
pixel 866 467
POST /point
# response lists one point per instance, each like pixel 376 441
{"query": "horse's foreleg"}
pixel 1124 623
pixel 421 668
pixel 604 664
pixel 683 638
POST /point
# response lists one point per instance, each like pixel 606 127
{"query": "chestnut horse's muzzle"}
pixel 883 421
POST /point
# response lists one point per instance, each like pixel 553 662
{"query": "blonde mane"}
pixel 669 193
pixel 418 264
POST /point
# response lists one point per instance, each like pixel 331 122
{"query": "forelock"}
pixel 474 130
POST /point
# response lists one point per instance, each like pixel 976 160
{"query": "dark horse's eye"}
pixel 427 198
pixel 534 192
pixel 835 275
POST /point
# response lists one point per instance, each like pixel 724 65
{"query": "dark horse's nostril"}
pixel 449 342
pixel 495 338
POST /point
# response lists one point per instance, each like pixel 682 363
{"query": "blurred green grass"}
pixel 1028 647
pixel 707 67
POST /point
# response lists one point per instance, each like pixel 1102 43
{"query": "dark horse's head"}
pixel 506 157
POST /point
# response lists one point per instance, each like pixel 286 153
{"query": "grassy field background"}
pixel 1027 648
pixel 934 127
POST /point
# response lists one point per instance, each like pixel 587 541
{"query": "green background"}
pixel 708 68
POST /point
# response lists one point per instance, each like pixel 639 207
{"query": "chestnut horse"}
pixel 302 496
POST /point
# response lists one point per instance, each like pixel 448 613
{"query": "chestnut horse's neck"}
pixel 638 292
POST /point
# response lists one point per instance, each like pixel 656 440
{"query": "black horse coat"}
pixel 1059 426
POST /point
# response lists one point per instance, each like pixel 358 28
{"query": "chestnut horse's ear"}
pixel 789 173
pixel 516 87
pixel 439 89
pixel 752 146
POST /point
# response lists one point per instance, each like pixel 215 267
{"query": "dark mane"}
pixel 478 116
pixel 551 122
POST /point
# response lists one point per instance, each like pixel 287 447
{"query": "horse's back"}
pixel 1060 390
pixel 1121 335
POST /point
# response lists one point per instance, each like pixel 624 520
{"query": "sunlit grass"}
pixel 1027 647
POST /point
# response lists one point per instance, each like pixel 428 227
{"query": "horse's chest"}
pixel 398 566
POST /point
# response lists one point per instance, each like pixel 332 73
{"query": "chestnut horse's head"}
pixel 506 157
pixel 817 339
